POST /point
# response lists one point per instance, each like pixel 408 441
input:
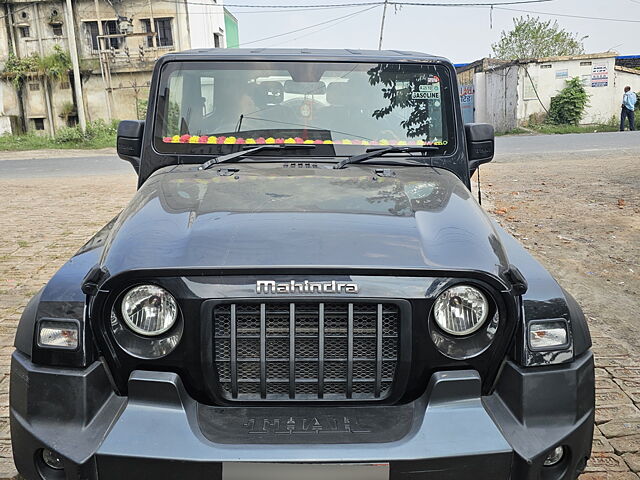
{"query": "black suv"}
pixel 303 287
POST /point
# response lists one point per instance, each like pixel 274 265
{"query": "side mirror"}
pixel 480 144
pixel 129 142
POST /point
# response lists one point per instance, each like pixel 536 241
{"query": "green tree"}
pixel 533 38
pixel 567 108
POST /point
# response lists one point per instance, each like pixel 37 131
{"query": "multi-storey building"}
pixel 117 43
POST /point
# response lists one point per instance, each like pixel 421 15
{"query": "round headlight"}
pixel 149 310
pixel 461 310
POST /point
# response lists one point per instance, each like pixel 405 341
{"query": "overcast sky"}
pixel 462 34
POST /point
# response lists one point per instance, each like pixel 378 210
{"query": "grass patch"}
pixel 548 128
pixel 99 134
pixel 514 131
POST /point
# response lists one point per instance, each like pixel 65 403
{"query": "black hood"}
pixel 270 215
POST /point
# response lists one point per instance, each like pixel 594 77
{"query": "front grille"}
pixel 306 351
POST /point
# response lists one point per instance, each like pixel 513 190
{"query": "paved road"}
pixel 607 142
pixel 62 164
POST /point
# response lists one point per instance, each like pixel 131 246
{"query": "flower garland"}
pixel 222 140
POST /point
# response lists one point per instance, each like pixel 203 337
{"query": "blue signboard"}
pixel 467 94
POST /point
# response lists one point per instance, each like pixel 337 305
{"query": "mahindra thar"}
pixel 303 287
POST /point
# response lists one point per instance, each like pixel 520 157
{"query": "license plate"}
pixel 304 471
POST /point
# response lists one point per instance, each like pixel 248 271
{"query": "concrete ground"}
pixel 573 200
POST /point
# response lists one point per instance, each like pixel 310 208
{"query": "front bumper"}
pixel 160 432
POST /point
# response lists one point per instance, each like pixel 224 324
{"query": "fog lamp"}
pixel 554 457
pixel 548 335
pixel 52 459
pixel 58 334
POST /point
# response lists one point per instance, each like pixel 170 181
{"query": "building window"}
pixel 216 40
pixel 34 87
pixel 38 123
pixel 163 29
pixel 146 28
pixel 109 27
pixel 585 64
pixel 548 65
pixel 91 29
pixel 25 32
pixel 164 35
pixel 57 30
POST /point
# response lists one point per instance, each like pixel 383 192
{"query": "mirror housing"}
pixel 129 142
pixel 480 144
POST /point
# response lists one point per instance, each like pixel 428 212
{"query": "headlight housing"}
pixel 149 310
pixel 461 310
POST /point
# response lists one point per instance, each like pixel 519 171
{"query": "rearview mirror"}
pixel 305 88
pixel 480 144
pixel 129 142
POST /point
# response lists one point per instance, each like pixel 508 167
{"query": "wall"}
pixel 502 96
pixel 602 81
pixel 232 35
pixel 206 21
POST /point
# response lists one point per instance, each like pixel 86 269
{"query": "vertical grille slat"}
pixel 378 384
pixel 305 350
pixel 350 352
pixel 234 353
pixel 321 350
pixel 263 351
pixel 292 350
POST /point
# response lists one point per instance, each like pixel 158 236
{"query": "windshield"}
pixel 208 107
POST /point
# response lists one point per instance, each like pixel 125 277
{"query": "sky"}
pixel 462 34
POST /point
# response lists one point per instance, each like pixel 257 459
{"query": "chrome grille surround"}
pixel 306 350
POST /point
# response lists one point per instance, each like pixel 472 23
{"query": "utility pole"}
pixel 77 81
pixel 384 14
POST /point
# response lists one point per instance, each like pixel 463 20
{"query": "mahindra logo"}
pixel 271 286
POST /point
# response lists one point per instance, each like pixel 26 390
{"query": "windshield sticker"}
pixel 425 95
pixel 222 140
pixel 429 91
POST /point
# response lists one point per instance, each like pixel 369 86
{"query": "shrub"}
pixel 141 108
pixel 69 134
pixel 567 108
pixel 99 132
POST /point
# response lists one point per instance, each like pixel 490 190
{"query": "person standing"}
pixel 628 106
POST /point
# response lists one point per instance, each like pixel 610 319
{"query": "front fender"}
pixel 62 297
pixel 544 299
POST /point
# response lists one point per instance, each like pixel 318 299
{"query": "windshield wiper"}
pixel 378 152
pixel 242 153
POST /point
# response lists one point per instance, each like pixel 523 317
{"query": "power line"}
pixel 569 16
pixel 364 4
pixel 308 27
pixel 329 26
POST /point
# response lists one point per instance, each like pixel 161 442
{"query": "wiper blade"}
pixel 378 152
pixel 232 156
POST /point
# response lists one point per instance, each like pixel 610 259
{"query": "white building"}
pixel 512 94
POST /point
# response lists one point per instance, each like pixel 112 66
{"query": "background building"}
pixel 515 93
pixel 117 42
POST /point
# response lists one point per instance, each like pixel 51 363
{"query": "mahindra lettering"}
pixel 303 287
